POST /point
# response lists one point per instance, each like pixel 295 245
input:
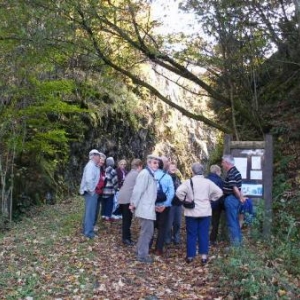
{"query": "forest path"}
pixel 45 256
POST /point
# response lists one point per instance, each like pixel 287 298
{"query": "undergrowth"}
pixel 266 268
pixel 251 273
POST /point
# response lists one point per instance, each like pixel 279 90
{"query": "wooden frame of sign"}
pixel 254 159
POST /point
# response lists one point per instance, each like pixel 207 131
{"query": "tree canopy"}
pixel 58 55
pixel 121 35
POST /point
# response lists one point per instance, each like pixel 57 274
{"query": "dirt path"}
pixel 46 257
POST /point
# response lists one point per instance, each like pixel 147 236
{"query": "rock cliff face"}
pixel 181 138
pixel 148 126
pixel 124 122
pixel 114 136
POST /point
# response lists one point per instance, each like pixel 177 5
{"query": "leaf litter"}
pixel 45 256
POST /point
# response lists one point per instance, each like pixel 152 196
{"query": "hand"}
pixel 132 208
pixel 243 199
pixel 159 208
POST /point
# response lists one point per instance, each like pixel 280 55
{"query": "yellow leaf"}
pixel 281 293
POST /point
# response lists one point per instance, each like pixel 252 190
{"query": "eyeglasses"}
pixel 155 162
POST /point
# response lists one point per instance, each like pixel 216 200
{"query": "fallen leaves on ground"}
pixel 46 257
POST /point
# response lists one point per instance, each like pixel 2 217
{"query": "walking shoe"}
pixel 147 259
pixel 188 260
pixel 93 236
pixel 128 242
pixel 109 219
pixel 204 261
pixel 212 243
pixel 158 252
pixel 116 217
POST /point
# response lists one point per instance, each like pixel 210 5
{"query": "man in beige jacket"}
pixel 142 202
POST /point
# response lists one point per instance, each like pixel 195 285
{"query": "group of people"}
pixel 160 212
pixel 100 184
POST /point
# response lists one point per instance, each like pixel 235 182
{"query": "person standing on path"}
pixel 100 187
pixel 109 189
pixel 163 208
pixel 233 198
pixel 124 196
pixel 200 190
pixel 142 202
pixel 89 181
pixel 175 214
pixel 121 174
pixel 217 206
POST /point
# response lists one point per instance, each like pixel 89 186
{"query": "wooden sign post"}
pixel 254 160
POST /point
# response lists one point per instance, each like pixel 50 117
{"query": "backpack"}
pixel 161 196
pixel 247 210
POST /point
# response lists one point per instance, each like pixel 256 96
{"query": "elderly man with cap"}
pixel 142 202
pixel 89 181
pixel 200 190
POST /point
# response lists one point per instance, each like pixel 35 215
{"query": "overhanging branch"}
pixel 152 90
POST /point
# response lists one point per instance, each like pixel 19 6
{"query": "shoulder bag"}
pixel 189 204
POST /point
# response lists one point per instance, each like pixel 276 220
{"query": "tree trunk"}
pixel 297 14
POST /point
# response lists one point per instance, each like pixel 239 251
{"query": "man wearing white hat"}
pixel 142 203
pixel 89 181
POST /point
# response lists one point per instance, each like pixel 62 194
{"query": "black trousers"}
pixel 215 221
pixel 126 221
pixel 161 224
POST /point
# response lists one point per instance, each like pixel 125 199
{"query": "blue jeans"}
pixel 174 224
pixel 232 206
pixel 197 229
pixel 89 214
pixel 107 204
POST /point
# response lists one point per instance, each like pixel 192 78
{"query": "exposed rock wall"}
pixel 179 137
pixel 159 129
